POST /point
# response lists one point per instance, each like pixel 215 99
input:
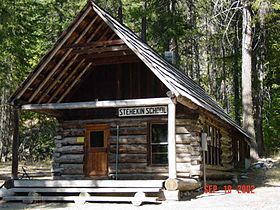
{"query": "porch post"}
pixel 15 145
pixel 172 140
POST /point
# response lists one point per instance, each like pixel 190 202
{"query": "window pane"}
pixel 159 133
pixel 97 139
pixel 159 159
pixel 159 148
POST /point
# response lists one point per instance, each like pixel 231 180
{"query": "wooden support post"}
pixel 172 140
pixel 15 145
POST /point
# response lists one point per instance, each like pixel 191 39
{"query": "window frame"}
pixel 151 144
pixel 213 155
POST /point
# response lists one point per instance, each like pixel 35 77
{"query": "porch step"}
pixel 79 198
pixel 134 191
pixel 78 190
pixel 89 183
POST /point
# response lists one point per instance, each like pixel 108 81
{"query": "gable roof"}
pixel 175 80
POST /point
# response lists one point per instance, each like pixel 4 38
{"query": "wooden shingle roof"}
pixel 62 67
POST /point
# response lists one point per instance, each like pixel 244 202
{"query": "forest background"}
pixel 206 36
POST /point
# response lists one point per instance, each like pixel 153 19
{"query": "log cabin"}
pixel 125 113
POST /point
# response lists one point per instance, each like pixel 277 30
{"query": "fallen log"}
pixel 181 184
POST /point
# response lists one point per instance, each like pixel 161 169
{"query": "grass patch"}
pixel 273 174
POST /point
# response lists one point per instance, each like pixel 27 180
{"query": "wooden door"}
pixel 96 151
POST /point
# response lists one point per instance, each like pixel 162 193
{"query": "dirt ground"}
pixel 263 198
pixel 266 196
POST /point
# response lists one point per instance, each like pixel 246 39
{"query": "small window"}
pixel 158 144
pixel 97 139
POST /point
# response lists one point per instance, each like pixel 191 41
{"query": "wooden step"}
pixel 77 198
pixel 90 183
pixel 78 190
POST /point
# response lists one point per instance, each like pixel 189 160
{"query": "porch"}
pixel 81 191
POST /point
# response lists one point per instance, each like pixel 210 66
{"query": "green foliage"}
pixel 272 83
pixel 28 29
pixel 36 136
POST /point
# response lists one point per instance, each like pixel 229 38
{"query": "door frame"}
pixel 96 127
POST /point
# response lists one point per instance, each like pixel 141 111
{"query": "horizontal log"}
pixel 77 169
pixel 70 140
pixel 56 154
pixel 219 175
pixel 128 158
pixel 74 171
pixel 129 166
pixel 73 132
pixel 71 149
pixel 58 144
pixel 129 131
pixel 226 146
pixel 135 139
pixel 181 184
pixel 196 153
pixel 141 176
pixel 129 149
pixel 75 158
pixel 183 175
pixel 130 123
pixel 183 138
pixel 198 157
pixel 195 173
pixel 72 177
pixel 58 137
pixel 226 140
pixel 113 122
pixel 220 182
pixel 187 140
pixel 98 104
pixel 144 170
pixel 185 122
pixel 183 167
pixel 187 167
pixel 181 148
pixel 182 130
pixel 218 168
pixel 183 159
pixel 195 144
pixel 195 162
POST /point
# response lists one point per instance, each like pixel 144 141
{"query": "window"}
pixel 158 144
pixel 213 155
pixel 97 139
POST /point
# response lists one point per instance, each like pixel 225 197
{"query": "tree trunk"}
pixel 195 66
pixel 236 83
pixel 259 78
pixel 120 11
pixel 144 21
pixel 15 145
pixel 224 81
pixel 247 102
pixel 173 46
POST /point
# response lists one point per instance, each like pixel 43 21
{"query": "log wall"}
pixel 133 149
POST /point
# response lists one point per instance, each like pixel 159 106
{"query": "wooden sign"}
pixel 80 139
pixel 142 111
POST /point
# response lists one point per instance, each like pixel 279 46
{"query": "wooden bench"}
pixel 81 191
